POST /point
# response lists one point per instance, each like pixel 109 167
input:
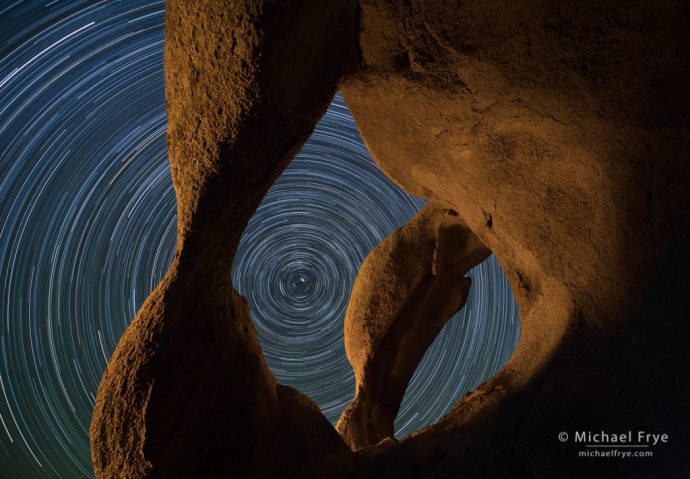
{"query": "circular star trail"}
pixel 87 229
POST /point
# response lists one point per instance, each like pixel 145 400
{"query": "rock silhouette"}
pixel 559 134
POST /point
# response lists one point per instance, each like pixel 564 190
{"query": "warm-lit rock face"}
pixel 187 393
pixel 407 289
pixel 559 133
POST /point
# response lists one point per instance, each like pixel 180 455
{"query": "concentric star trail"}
pixel 87 229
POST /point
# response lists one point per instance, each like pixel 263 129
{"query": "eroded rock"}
pixel 558 132
pixel 407 289
pixel 187 392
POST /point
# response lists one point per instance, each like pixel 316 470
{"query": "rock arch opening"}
pixel 298 260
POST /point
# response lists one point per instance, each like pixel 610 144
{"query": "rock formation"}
pixel 407 289
pixel 187 392
pixel 557 131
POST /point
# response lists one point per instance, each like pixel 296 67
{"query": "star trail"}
pixel 87 229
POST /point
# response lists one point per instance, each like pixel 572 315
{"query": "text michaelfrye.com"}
pixel 625 444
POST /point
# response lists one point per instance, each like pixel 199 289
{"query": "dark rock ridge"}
pixel 559 134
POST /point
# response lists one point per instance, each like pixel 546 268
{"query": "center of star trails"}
pixel 301 284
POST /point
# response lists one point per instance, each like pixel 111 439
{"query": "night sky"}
pixel 87 229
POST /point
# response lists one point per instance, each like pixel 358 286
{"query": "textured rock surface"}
pixel 407 289
pixel 187 393
pixel 558 132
